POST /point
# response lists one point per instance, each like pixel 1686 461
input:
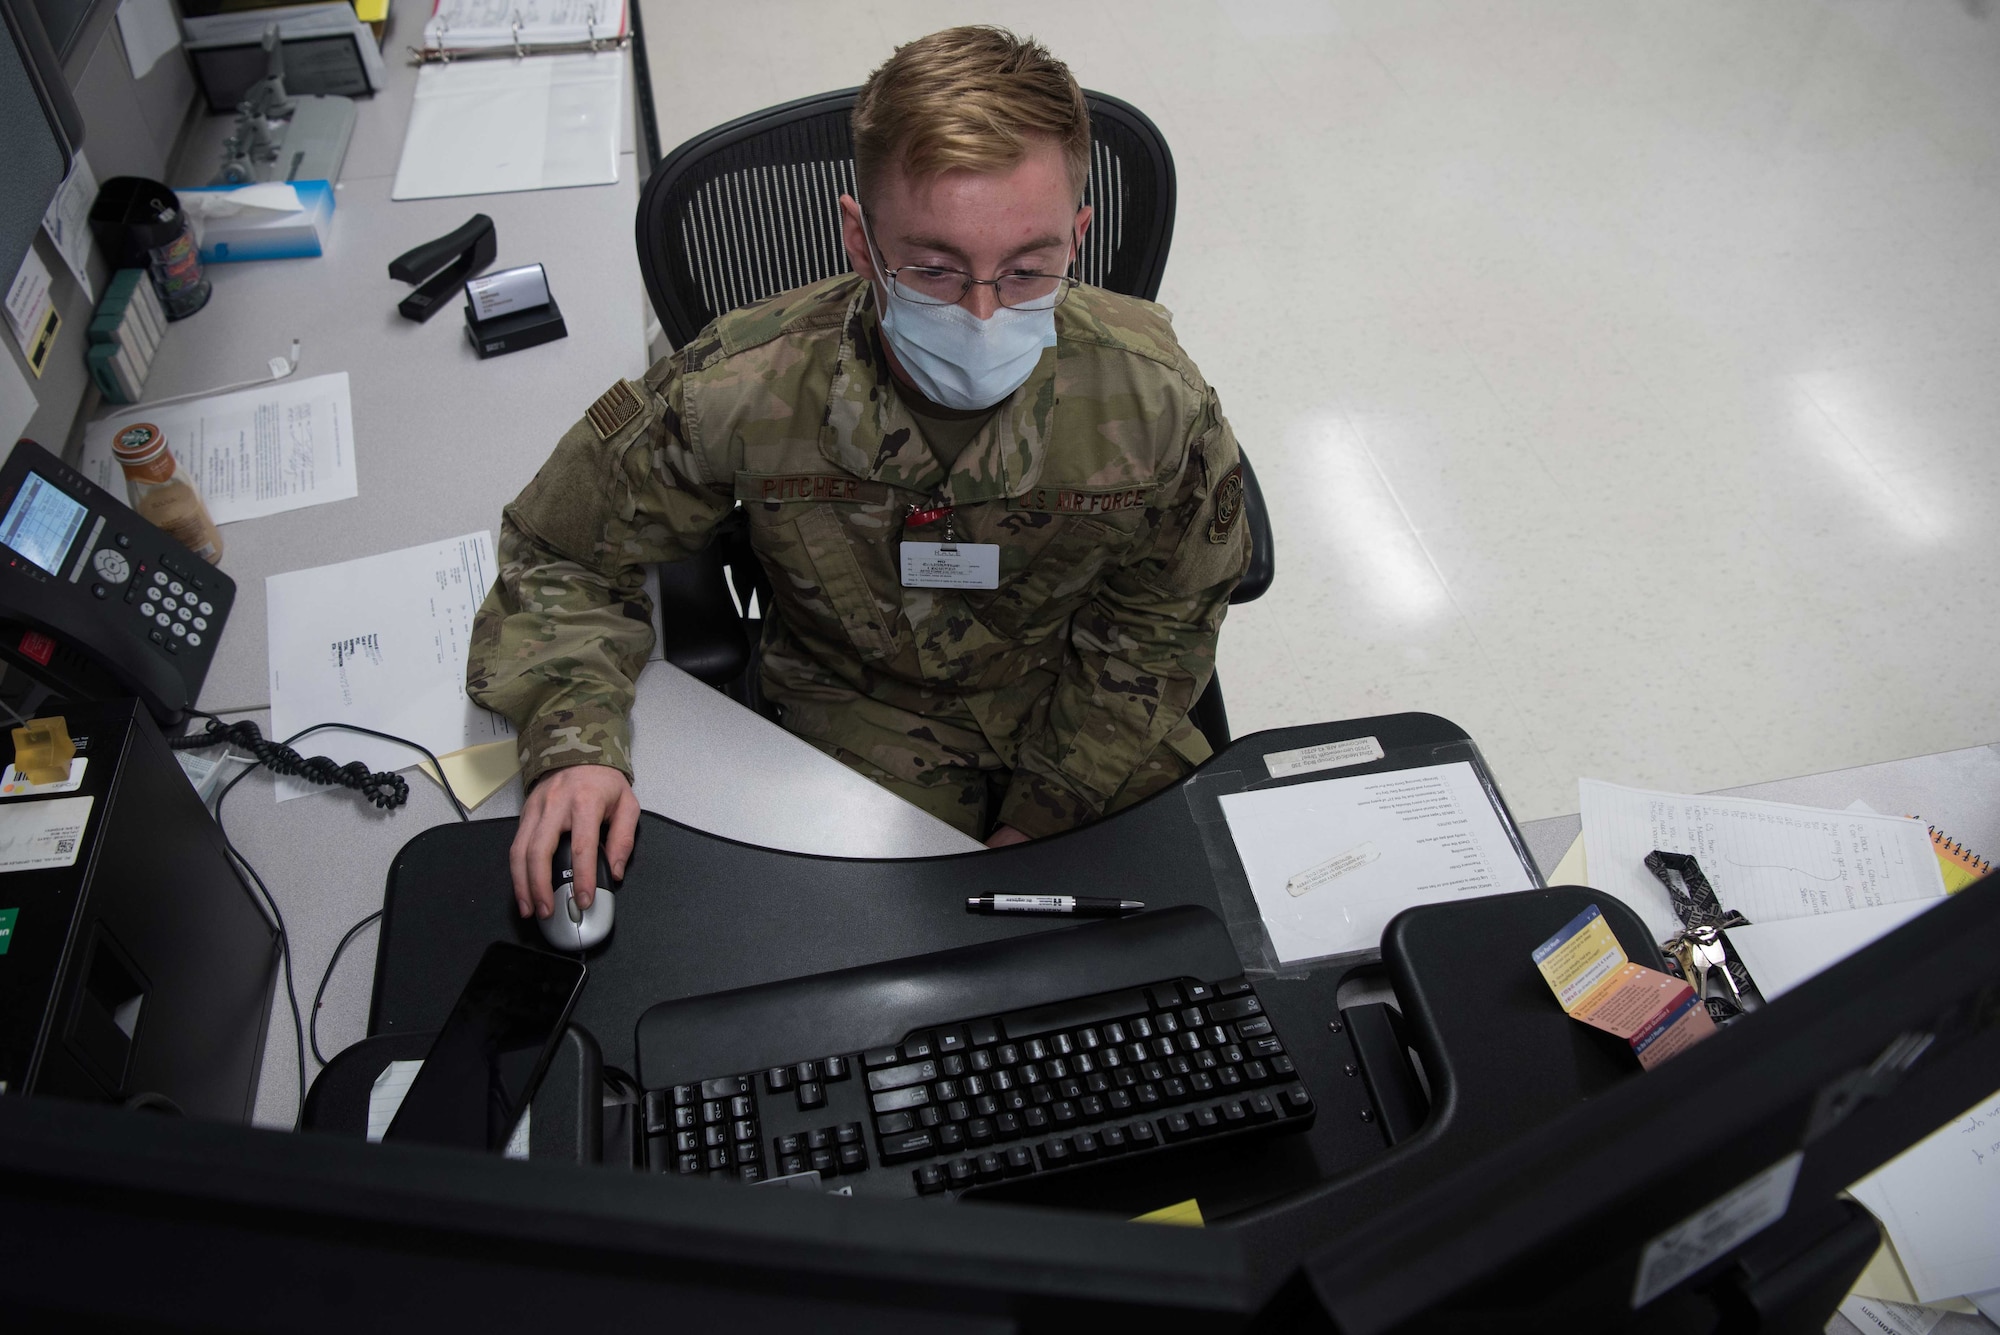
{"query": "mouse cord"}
pixel 319 997
pixel 219 732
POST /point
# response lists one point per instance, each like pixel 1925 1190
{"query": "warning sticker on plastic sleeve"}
pixel 1714 1230
pixel 1331 755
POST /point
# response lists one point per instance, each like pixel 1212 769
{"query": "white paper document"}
pixel 380 643
pixel 67 220
pixel 1879 1316
pixel 385 1100
pixel 486 127
pixel 1782 954
pixel 1940 1201
pixel 256 452
pixel 1331 862
pixel 42 834
pixel 1767 860
pixel 28 302
pixel 474 23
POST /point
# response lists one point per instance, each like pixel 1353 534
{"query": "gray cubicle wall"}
pixel 130 128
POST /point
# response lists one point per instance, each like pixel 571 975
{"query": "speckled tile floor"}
pixel 1624 379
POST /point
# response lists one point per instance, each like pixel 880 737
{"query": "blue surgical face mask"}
pixel 956 359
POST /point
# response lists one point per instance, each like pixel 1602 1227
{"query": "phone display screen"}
pixel 42 523
pixel 489 1057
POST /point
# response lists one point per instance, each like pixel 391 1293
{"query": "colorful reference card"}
pixel 1655 1012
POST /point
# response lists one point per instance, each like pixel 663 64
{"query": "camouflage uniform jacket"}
pixel 1109 480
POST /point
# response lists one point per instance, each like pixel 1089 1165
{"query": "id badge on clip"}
pixel 951 565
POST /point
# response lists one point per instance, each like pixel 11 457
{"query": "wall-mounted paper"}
pixel 149 30
pixel 67 220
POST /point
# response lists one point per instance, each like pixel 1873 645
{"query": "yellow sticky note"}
pixel 1571 870
pixel 1185 1214
pixel 371 11
pixel 477 772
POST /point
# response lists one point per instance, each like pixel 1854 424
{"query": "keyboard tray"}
pixel 875 1005
pixel 972 1067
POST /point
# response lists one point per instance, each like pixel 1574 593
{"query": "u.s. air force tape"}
pixel 613 409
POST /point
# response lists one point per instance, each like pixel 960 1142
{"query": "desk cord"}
pixel 279 757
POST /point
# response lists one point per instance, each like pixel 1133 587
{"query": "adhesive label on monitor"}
pixel 1331 755
pixel 1715 1230
pixel 7 917
pixel 42 834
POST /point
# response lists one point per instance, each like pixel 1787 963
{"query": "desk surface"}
pixel 443 440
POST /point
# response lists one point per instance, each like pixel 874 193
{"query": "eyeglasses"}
pixel 928 285
pixel 922 285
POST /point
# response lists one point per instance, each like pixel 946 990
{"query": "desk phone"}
pixel 96 602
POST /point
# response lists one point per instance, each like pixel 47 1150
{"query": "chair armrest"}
pixel 701 632
pixel 1258 577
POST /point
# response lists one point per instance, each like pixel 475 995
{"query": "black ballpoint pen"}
pixel 1074 906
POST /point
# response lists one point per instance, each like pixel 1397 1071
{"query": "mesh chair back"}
pixel 750 209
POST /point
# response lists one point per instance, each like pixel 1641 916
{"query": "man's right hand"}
pixel 579 799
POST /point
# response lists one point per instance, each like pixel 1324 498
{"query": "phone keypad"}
pixel 175 608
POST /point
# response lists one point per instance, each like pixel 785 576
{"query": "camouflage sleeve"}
pixel 1143 650
pixel 558 644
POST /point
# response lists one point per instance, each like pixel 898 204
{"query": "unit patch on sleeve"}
pixel 613 409
pixel 1228 504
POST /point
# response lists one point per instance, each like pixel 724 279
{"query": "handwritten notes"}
pixel 1768 860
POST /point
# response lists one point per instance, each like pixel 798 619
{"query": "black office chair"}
pixel 750 209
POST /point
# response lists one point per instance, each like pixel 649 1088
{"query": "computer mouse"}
pixel 571 927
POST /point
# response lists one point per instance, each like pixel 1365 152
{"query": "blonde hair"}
pixel 975 98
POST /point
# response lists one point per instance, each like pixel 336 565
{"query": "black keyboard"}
pixel 919 1089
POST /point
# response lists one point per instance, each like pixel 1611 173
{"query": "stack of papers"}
pixel 1817 886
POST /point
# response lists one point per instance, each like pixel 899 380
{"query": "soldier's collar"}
pixel 869 433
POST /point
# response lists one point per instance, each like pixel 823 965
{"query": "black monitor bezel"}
pixel 449 1223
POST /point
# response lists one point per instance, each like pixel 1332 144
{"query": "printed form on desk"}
pixel 1331 861
pixel 381 643
pixel 254 452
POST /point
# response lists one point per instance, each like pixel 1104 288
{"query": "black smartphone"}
pixel 486 1063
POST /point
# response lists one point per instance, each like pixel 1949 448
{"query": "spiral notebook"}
pixel 1960 865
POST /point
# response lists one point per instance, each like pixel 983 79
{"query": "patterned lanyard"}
pixel 1700 946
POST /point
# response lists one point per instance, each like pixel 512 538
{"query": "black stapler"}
pixel 461 254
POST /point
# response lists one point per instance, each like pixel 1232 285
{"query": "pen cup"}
pixel 140 224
